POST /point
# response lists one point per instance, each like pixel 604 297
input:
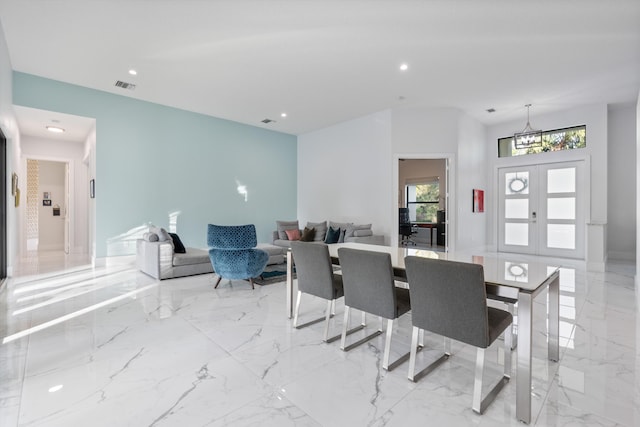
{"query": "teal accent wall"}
pixel 152 160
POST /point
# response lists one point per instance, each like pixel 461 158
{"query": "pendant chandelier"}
pixel 528 137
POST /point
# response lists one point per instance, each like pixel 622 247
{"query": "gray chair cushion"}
pixel 449 298
pixel 369 283
pixel 499 320
pixel 314 270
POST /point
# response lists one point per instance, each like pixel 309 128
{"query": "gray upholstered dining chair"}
pixel 450 299
pixel 369 286
pixel 315 277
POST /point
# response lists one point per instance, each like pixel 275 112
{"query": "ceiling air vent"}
pixel 267 121
pixel 125 85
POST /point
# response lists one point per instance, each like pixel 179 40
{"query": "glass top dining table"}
pixel 507 278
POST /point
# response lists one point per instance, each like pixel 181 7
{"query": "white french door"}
pixel 541 209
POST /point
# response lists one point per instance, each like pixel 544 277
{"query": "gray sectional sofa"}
pixel 158 260
pixel 348 232
pixel 162 255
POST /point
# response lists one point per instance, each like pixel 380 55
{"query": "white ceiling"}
pixel 34 122
pixel 324 61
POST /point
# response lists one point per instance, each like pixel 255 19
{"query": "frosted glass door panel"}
pixel 517 183
pixel 561 236
pixel 561 180
pixel 561 208
pixel 516 234
pixel 516 208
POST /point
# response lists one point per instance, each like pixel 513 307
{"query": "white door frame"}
pixel 450 196
pixel 72 164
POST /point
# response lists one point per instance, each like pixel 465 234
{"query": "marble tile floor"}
pixel 111 346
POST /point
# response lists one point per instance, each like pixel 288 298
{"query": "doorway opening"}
pixel 423 189
pixel 47 208
pixel 56 215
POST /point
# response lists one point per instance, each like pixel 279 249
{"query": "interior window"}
pixel 423 201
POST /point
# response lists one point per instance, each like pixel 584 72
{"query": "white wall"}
pixel 51 228
pixel 72 153
pixel 595 118
pixel 344 174
pixel 621 242
pixel 349 172
pixel 422 133
pixel 472 174
pixel 448 133
pixel 89 161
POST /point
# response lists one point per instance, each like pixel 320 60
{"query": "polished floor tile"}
pixel 111 346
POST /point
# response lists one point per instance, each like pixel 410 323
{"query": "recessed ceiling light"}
pixel 55 129
pixel 283 115
pixel 133 72
pixel 404 67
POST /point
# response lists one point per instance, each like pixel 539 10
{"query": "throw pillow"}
pixel 308 234
pixel 163 236
pixel 321 230
pixel 362 233
pixel 332 235
pixel 178 247
pixel 293 234
pixel 343 226
pixel 286 225
pixel 354 227
pixel 150 237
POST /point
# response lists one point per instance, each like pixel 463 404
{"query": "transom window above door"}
pixel 552 140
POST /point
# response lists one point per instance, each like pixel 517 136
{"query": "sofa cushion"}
pixel 286 225
pixel 321 230
pixel 191 256
pixel 308 234
pixel 282 242
pixel 292 234
pixel 354 227
pixel 150 237
pixel 362 233
pixel 178 247
pixel 332 235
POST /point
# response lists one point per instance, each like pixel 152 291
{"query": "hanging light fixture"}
pixel 529 137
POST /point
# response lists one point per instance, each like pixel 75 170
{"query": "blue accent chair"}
pixel 233 253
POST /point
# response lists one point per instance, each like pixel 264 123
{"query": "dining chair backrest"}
pixel 449 298
pixel 368 282
pixel 313 269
